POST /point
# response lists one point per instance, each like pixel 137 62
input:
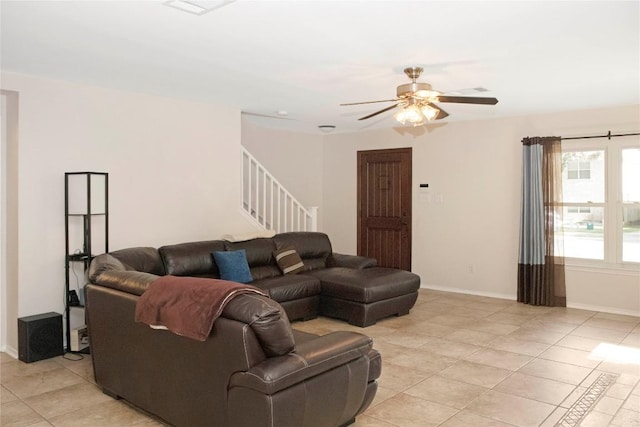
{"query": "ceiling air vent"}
pixel 197 7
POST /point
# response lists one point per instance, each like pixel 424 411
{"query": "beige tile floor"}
pixel 456 360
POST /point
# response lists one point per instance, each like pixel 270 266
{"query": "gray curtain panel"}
pixel 540 261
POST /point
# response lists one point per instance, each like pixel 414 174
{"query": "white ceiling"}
pixel 306 57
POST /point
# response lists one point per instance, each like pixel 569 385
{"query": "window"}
pixel 579 210
pixel 579 170
pixel 630 204
pixel 601 200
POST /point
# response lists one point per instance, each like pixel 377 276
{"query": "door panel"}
pixel 384 206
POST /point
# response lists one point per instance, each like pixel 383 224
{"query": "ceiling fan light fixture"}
pixel 412 114
pixel 417 101
pixel 416 113
pixel 417 90
pixel 429 112
pixel 400 116
pixel 427 95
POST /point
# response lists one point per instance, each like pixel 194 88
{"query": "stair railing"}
pixel 269 204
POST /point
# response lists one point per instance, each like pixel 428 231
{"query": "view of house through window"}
pixel 601 200
pixel 579 170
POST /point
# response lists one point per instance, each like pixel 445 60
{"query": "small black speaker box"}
pixel 40 337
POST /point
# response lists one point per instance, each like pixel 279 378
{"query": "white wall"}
pixel 3 215
pixel 469 241
pixel 169 163
pixel 295 159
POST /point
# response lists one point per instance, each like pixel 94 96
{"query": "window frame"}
pixel 613 204
pixel 579 170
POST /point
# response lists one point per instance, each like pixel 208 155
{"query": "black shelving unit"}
pixel 86 212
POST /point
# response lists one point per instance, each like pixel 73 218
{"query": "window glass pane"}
pixel 631 175
pixel 631 234
pixel 583 176
pixel 583 232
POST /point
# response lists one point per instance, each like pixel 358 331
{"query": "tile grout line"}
pixel 485 345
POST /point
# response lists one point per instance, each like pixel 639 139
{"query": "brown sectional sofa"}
pixel 332 284
pixel 253 369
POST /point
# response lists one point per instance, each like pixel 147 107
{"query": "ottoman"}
pixel 362 297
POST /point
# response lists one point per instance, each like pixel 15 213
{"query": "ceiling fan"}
pixel 417 101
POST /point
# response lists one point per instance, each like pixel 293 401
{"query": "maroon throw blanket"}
pixel 187 306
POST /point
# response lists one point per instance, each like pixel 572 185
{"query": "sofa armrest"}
pixel 133 282
pixel 309 359
pixel 267 319
pixel 350 261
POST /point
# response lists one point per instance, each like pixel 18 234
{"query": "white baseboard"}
pixel 612 310
pixel 511 297
pixel 10 351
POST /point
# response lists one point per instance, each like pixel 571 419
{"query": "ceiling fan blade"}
pixel 379 112
pixel 467 99
pixel 441 113
pixel 369 102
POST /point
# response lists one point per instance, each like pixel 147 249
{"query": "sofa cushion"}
pixel 350 261
pixel 367 285
pixel 290 287
pixel 191 259
pixel 288 260
pixel 233 265
pixel 314 248
pixel 143 259
pixel 259 256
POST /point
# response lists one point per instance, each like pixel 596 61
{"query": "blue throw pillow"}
pixel 233 265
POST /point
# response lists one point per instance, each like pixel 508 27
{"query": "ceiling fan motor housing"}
pixel 414 89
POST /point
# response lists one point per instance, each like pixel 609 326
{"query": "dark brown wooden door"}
pixel 384 206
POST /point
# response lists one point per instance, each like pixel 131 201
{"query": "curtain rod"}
pixel 608 135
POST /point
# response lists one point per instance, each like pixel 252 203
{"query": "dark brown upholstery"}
pixel 141 259
pixel 191 259
pixel 290 288
pixel 253 370
pixel 314 248
pixel 250 372
pixel 259 256
pixel 368 285
pixel 362 297
pixel 350 261
pixel 347 283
